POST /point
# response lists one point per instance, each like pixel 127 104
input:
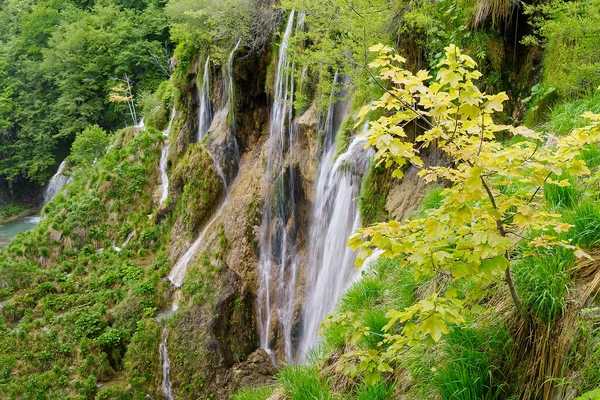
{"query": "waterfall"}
pixel 335 216
pixel 217 149
pixel 278 230
pixel 166 365
pixel 222 144
pixel 231 100
pixel 56 183
pixel 164 178
pixel 140 124
pixel 205 113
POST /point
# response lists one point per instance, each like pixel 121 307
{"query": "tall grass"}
pixel 566 116
pixel 380 391
pixel 562 196
pixel 302 382
pixel 469 370
pixel 585 218
pixel 432 200
pixel 543 282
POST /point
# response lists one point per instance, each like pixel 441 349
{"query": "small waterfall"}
pixel 140 124
pixel 164 178
pixel 278 229
pixel 179 271
pixel 335 217
pixel 166 365
pixel 205 113
pixel 231 99
pixel 56 183
pixel 218 149
pixel 222 144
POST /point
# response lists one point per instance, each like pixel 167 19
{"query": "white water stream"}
pixel 166 365
pixel 277 236
pixel 164 178
pixel 335 217
pixel 205 112
pixel 56 183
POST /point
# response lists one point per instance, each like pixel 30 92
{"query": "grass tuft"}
pixel 302 382
pixel 544 281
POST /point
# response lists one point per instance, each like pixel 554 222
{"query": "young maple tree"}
pixel 493 204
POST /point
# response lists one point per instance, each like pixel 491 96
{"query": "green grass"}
pixel 431 201
pixel 585 218
pixel 375 320
pixel 566 116
pixel 379 391
pixel 261 393
pixel 562 196
pixel 591 156
pixel 363 294
pixel 468 365
pixel 302 382
pixel 543 282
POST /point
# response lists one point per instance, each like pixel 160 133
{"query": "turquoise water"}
pixel 11 229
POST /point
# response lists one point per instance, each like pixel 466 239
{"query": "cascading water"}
pixel 164 186
pixel 278 229
pixel 222 145
pixel 179 271
pixel 56 183
pixel 205 113
pixel 231 101
pixel 166 365
pixel 335 217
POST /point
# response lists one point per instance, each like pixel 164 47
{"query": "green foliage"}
pixel 379 391
pixel 90 305
pixel 89 146
pixel 10 210
pixel 303 382
pixel 59 61
pixel 475 233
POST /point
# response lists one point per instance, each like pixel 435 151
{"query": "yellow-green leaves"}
pixel 493 199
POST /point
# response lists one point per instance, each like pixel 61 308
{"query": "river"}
pixel 11 229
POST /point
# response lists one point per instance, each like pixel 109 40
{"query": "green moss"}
pixel 196 186
pixel 572 60
pixel 375 188
pixel 156 107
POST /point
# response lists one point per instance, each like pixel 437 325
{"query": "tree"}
pixel 493 210
pixel 89 146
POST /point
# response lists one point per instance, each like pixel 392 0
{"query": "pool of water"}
pixel 11 229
